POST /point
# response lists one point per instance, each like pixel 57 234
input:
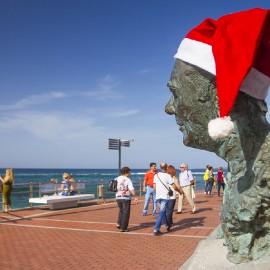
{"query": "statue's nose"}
pixel 169 108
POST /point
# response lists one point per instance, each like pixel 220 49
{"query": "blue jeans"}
pixel 150 192
pixel 162 203
pixel 169 211
pixel 205 186
pixel 209 185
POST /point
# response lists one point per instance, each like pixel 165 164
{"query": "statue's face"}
pixel 193 102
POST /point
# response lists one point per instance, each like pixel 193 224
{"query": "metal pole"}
pixel 119 164
pixel 31 193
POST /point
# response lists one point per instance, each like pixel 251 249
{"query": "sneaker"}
pixel 168 228
pixel 157 233
pixel 154 213
pixel 144 213
pixel 124 230
pixel 178 212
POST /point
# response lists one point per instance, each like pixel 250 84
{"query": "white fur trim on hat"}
pixel 220 127
pixel 256 84
pixel 197 53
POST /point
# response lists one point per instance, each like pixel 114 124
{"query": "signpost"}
pixel 116 144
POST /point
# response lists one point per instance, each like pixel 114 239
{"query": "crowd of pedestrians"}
pixel 211 180
pixel 163 187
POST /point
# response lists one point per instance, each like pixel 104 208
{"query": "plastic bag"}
pixel 193 192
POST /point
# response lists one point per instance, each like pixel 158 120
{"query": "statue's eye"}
pixel 173 88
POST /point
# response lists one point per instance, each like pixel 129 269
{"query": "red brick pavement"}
pixel 86 237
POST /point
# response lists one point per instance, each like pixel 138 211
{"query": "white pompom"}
pixel 220 127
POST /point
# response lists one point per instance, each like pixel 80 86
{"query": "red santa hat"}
pixel 235 48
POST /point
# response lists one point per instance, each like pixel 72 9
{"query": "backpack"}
pixel 112 185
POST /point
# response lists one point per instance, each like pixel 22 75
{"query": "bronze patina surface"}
pixel 245 213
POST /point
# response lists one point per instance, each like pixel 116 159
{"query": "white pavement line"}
pixel 52 212
pixel 196 227
pixel 23 217
pixel 206 228
pixel 102 231
pixel 81 221
pixel 213 207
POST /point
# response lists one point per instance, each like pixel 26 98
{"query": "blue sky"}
pixel 75 73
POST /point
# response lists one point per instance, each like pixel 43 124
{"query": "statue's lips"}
pixel 181 128
pixel 180 124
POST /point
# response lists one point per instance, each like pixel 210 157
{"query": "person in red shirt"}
pixel 220 179
pixel 148 187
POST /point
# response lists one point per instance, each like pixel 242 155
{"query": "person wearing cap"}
pixel 223 65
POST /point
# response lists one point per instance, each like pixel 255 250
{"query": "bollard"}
pixel 140 187
pixel 101 191
pixel 31 193
pixel 1 191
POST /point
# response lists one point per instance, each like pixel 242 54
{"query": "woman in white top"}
pixel 170 206
pixel 123 198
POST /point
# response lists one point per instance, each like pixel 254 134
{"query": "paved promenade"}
pixel 86 237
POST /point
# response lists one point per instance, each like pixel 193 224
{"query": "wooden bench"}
pixel 60 202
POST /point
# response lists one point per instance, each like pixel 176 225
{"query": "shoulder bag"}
pixel 112 185
pixel 192 182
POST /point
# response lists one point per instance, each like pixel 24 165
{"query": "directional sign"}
pixel 125 143
pixel 114 144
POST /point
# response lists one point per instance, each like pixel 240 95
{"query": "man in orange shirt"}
pixel 148 187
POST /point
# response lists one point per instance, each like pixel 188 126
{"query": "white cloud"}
pixel 57 127
pixel 33 100
pixel 145 71
pixel 121 113
pixel 108 82
pixel 100 95
pixel 105 89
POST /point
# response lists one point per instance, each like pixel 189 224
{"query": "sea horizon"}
pixel 25 177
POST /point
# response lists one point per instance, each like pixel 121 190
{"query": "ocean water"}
pixel 92 177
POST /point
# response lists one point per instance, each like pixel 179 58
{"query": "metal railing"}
pixel 21 192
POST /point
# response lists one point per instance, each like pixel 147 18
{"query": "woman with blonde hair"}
pixel 7 181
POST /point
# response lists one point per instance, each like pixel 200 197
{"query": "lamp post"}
pixel 116 144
